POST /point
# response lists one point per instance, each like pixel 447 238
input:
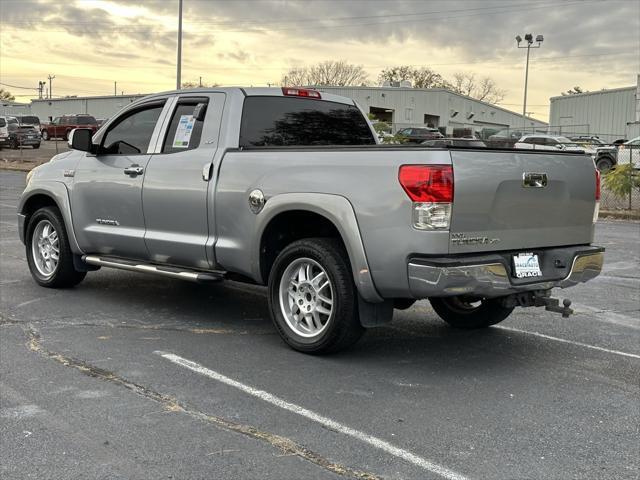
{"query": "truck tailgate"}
pixel 494 210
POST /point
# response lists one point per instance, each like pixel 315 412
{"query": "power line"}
pixel 16 86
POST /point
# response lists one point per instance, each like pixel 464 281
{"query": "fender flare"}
pixel 339 211
pixel 58 192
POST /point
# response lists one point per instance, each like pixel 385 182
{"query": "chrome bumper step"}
pixel 167 271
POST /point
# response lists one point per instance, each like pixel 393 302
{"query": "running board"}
pixel 173 272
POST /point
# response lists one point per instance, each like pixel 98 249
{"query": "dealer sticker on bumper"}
pixel 526 265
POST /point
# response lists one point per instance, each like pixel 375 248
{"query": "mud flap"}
pixel 374 314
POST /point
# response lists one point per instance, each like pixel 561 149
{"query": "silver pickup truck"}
pixel 288 188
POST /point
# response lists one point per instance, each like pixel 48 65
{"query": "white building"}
pixel 609 114
pixel 99 107
pixel 440 108
pixel 399 106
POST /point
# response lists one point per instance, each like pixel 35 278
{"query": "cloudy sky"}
pixel 89 44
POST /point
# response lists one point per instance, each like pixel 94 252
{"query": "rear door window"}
pixel 184 130
pixel 283 121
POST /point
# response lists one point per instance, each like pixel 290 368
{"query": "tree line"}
pixel 343 74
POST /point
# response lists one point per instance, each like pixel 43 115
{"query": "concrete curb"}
pixel 620 214
pixel 17 166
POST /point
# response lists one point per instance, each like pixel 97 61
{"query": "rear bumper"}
pixel 490 275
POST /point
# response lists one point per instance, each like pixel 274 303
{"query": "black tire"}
pixel 461 312
pixel 342 328
pixel 45 135
pixel 14 145
pixel 604 164
pixel 36 146
pixel 64 275
pixel 66 135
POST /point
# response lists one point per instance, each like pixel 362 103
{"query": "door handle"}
pixel 134 170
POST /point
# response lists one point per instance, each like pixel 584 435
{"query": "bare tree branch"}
pixel 328 73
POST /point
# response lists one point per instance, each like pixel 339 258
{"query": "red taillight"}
pixel 427 183
pixel 597 185
pixel 300 92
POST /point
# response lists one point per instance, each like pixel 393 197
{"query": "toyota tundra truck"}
pixel 288 188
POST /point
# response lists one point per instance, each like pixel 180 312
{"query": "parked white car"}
pixel 629 152
pixel 540 141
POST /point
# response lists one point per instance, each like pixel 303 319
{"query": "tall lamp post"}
pixel 528 38
pixel 179 53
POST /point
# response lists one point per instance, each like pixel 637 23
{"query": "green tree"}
pixel 622 180
pixel 422 77
pixel 6 95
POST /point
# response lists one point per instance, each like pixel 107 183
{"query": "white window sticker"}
pixel 184 131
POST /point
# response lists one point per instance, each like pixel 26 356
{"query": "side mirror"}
pixel 80 139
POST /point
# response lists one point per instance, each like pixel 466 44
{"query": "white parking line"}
pixel 563 340
pixel 315 417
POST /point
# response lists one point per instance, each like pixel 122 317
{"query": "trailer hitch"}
pixel 539 298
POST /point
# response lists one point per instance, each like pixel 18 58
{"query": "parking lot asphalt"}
pixel 136 376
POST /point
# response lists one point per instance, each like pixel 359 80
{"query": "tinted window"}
pixel 282 121
pixel 131 134
pixel 85 120
pixel 184 131
pixel 3 123
pixel 30 120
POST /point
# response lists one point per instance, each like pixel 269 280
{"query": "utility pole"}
pixel 179 59
pixel 115 89
pixel 200 82
pixel 529 39
pixel 50 77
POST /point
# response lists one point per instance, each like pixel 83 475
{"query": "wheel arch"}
pixel 290 217
pixel 54 194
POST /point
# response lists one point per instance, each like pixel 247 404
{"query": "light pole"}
pixel 528 38
pixel 179 59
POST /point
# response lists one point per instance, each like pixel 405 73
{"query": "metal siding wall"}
pixel 432 102
pixel 606 113
pixel 99 107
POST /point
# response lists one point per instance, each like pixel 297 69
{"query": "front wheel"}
pixel 312 297
pixel 45 135
pixel 469 313
pixel 48 253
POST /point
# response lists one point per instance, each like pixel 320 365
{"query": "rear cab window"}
pixel 273 121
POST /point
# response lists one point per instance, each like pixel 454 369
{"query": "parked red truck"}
pixel 61 126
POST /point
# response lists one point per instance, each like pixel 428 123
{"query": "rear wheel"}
pixel 470 312
pixel 36 146
pixel 312 297
pixel 45 135
pixel 14 145
pixel 48 253
pixel 66 135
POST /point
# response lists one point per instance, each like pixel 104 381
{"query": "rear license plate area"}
pixel 526 265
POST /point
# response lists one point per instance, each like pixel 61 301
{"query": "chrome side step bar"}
pixel 167 271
